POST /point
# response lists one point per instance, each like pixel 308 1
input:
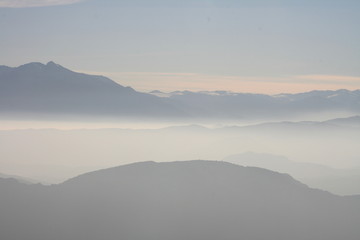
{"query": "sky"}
pixel 243 46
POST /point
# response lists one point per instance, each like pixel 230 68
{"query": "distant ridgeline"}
pixel 36 90
pixel 175 201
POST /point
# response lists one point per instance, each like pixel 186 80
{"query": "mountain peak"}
pixel 53 89
pixel 54 66
pixel 190 170
pixel 51 63
pixel 37 65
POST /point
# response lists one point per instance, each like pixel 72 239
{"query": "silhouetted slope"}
pixel 353 121
pixel 338 181
pixel 18 178
pixel 248 105
pixel 350 124
pixel 179 200
pixel 52 89
pixel 36 89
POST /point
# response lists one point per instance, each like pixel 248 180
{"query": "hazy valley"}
pixel 73 124
pixel 179 120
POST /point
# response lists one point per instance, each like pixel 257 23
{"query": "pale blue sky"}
pixel 259 46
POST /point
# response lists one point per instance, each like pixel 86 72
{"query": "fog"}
pixel 223 120
pixel 54 155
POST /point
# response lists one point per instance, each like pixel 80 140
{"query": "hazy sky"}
pixel 239 45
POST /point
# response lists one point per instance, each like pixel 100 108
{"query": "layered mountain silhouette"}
pixel 36 89
pixel 18 178
pixel 248 105
pixel 346 124
pixel 176 201
pixel 353 122
pixel 338 181
pixel 56 155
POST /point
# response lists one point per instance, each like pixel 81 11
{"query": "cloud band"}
pixel 34 3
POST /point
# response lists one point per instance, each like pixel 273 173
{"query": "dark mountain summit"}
pixel 52 89
pixel 36 78
pixel 176 201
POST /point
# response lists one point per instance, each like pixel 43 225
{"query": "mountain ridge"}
pixel 37 89
pixel 176 201
pixel 335 180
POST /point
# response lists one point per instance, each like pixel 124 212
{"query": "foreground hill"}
pixel 176 201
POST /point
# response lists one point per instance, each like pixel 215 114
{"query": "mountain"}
pixel 277 163
pixel 338 181
pixel 52 156
pixel 224 104
pixel 176 201
pixel 36 88
pixel 353 122
pixel 20 179
pixel 347 124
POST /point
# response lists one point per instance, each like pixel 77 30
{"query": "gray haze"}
pixel 52 155
pixel 50 92
pixel 176 201
pixel 267 92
